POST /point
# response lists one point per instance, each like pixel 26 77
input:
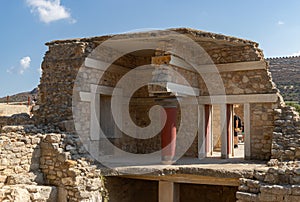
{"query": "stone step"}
pixel 26 193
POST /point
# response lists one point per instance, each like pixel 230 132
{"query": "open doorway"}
pixel 238 131
pixel 234 127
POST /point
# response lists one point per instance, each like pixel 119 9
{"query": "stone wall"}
pixel 59 70
pixel 279 183
pixel 261 130
pixel 76 179
pixel 16 119
pixel 39 165
pixel 285 143
pixel 20 176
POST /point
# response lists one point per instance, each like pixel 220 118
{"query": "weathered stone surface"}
pixel 246 196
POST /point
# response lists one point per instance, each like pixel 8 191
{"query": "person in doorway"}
pixel 237 129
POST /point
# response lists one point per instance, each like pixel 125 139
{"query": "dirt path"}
pixel 10 109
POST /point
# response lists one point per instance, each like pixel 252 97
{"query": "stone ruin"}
pixel 51 157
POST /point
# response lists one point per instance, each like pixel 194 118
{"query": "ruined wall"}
pixel 76 179
pixel 59 70
pixel 16 119
pixel 285 143
pixel 20 176
pixel 37 164
pixel 278 183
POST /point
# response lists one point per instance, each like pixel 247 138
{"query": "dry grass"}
pixel 10 109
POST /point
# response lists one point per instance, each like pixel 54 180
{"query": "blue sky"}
pixel 27 24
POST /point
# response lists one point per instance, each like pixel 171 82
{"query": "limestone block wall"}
pixel 278 183
pixel 261 131
pixel 243 82
pixel 37 164
pixel 21 179
pixel 76 179
pixel 236 54
pixel 19 155
pixel 285 143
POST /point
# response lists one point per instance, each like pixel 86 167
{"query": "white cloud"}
pixel 24 64
pixel 49 10
pixel 280 22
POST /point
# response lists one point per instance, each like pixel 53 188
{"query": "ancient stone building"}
pixel 238 64
pixel 107 106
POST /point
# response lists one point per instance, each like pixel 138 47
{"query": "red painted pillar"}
pixel 229 128
pixel 168 135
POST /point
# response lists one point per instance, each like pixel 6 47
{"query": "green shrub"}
pixel 294 104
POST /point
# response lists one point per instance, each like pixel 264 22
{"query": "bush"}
pixel 294 104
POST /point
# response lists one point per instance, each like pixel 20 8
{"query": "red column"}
pixel 168 135
pixel 229 128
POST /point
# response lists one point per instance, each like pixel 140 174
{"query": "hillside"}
pixel 286 74
pixel 20 97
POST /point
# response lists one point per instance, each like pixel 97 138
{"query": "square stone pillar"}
pixel 204 131
pixel 168 192
pixel 201 132
pixel 208 129
pixel 247 126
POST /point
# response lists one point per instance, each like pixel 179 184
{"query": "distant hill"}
pixel 286 74
pixel 20 97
